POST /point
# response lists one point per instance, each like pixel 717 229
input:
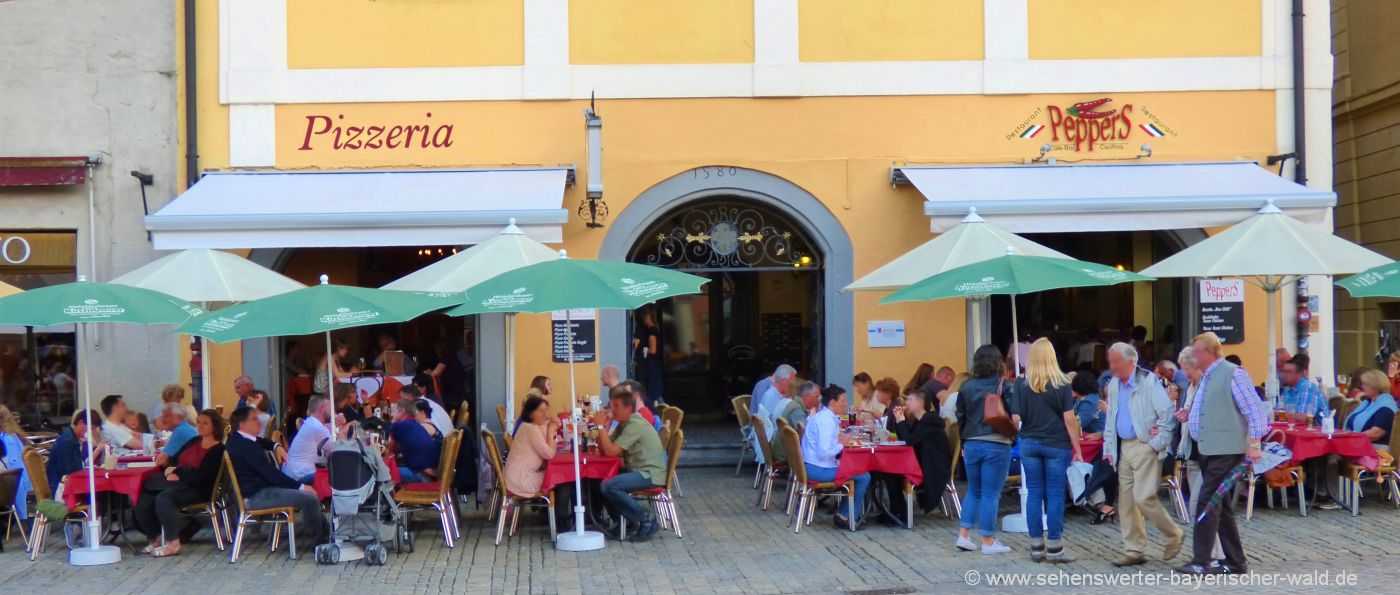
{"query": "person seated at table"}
pixel 312 441
pixel 172 393
pixel 643 461
pixel 340 352
pixel 346 405
pixel 115 429
pixel 821 447
pixel 173 416
pixel 13 441
pixel 436 414
pixel 1374 416
pixel 1300 397
pixel 923 430
pixel 880 398
pixel 922 375
pixel 640 392
pixel 262 483
pixel 416 439
pixel 542 384
pixel 243 385
pixel 534 445
pixel 1087 406
pixel 948 399
pixel 138 423
pixel 262 404
pixel 69 450
pixel 190 480
pixel 795 411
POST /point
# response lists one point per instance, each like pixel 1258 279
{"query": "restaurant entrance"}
pixel 762 307
pixel 1156 315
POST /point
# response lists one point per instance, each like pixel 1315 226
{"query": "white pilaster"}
pixel 1006 37
pixel 775 49
pixel 546 71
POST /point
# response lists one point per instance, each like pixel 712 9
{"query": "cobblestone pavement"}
pixel 730 546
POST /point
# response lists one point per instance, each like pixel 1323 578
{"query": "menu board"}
pixel 1222 309
pixel 584 322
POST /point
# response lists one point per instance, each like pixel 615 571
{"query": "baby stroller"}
pixel 362 506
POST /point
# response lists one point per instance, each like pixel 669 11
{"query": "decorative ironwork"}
pixel 593 211
pixel 724 236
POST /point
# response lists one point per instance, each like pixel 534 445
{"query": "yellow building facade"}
pixel 788 120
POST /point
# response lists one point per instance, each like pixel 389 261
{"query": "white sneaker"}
pixel 966 545
pixel 996 547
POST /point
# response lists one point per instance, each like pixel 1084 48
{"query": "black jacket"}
pixel 930 442
pixel 201 478
pixel 255 471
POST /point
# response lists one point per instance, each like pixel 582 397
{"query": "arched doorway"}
pixel 749 232
pixel 761 308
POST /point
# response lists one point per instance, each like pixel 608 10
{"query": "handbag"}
pixel 994 413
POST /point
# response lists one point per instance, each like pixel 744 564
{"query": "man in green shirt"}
pixel 795 411
pixel 643 459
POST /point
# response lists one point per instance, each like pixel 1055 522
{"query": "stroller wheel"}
pixel 376 554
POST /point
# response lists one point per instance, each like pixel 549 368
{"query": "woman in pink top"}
pixel 534 445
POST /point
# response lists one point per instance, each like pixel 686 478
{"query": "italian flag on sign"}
pixel 1032 131
pixel 1152 130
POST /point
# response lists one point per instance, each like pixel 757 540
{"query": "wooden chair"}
pixel 510 504
pixel 277 515
pixel 665 432
pixel 501 416
pixel 741 413
pixel 808 491
pixel 660 497
pixel 1352 476
pixel 771 468
pixel 674 415
pixel 951 493
pixel 9 483
pixel 436 495
pixel 215 510
pixel 39 483
pixel 463 415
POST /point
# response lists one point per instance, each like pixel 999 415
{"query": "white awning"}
pixel 1139 196
pixel 354 208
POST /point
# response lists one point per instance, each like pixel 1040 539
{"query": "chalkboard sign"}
pixel 585 335
pixel 1222 309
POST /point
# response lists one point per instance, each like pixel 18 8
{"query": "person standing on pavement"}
pixel 1227 420
pixel 1187 455
pixel 1137 436
pixel 986 453
pixel 1049 441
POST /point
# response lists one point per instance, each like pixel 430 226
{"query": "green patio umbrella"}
pixel 1012 275
pixel 83 303
pixel 1381 281
pixel 317 309
pixel 565 284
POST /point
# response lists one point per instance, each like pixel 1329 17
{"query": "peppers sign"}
pixel 1222 309
pixel 1090 125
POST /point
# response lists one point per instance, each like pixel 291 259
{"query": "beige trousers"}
pixel 1139 477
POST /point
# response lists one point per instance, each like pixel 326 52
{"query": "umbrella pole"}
pixel 93 553
pixel 1016 523
pixel 1271 289
pixel 206 371
pixel 1015 339
pixel 330 381
pixel 510 369
pixel 577 540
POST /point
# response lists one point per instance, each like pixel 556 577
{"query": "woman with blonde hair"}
pixel 1049 436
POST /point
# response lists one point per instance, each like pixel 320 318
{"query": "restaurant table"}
pixel 1090 450
pixel 127 482
pixel 1310 442
pixel 892 459
pixel 322 482
pixel 560 468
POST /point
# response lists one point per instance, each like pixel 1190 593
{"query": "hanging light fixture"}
pixel 593 209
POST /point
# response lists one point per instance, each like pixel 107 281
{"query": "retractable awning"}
pixel 1139 196
pixel 354 208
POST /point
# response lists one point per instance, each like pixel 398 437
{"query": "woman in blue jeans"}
pixel 986 454
pixel 1049 441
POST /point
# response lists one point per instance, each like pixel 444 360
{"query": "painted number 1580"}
pixel 705 173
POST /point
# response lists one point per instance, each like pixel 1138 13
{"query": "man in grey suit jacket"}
pixel 1137 437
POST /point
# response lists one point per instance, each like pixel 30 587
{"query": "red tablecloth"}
pixel 560 468
pixel 1091 450
pixel 1308 443
pixel 899 460
pixel 122 481
pixel 322 482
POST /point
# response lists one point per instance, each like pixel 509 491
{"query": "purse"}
pixel 994 413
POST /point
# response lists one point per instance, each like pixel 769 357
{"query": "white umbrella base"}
pixel 580 541
pixel 1014 523
pixel 95 556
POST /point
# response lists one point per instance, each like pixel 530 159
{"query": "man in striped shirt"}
pixel 1299 395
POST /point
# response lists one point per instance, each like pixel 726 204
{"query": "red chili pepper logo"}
pixel 1086 109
